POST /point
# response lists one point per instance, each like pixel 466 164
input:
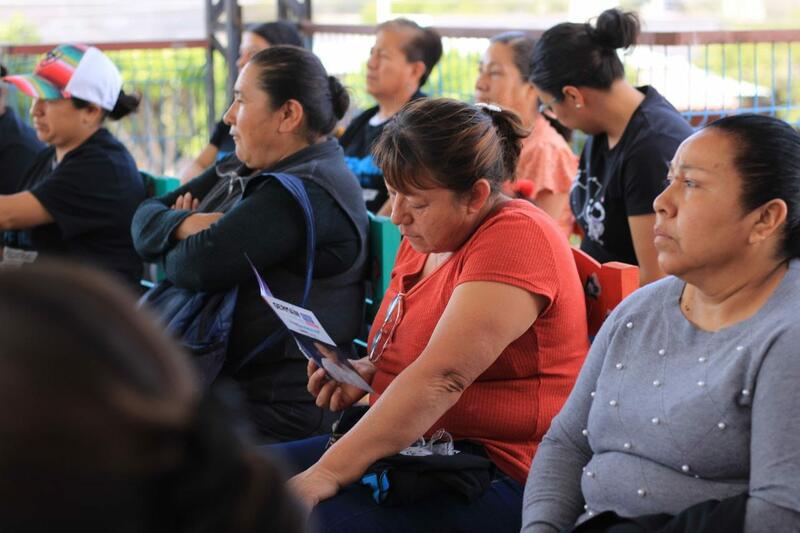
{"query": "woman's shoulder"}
pixel 99 156
pixel 515 210
pixel 519 245
pixel 784 304
pixel 330 172
pixel 547 160
pixel 547 148
pixel 101 148
pixel 103 139
pixel 520 229
pixel 660 121
pixel 322 163
pixel 519 216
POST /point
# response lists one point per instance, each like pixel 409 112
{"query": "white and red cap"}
pixel 71 70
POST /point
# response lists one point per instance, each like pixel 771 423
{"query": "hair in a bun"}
pixel 291 73
pixel 339 97
pixel 583 55
pixel 126 104
pixel 616 29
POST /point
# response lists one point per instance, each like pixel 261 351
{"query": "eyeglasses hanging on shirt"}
pixel 382 338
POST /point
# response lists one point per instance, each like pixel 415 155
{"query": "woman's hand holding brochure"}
pixel 332 394
pixel 313 341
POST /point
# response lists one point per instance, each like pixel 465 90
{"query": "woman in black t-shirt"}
pixel 78 197
pixel 634 133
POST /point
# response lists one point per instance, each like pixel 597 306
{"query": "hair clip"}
pixel 489 107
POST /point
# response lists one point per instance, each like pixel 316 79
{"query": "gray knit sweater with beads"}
pixel 665 415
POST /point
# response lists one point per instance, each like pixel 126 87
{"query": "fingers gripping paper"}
pixel 312 339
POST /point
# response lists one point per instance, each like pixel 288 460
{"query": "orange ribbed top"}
pixel 509 407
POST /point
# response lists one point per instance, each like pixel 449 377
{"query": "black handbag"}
pixel 202 321
pixel 403 479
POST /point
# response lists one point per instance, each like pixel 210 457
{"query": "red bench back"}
pixel 604 286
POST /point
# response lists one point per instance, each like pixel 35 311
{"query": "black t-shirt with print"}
pixel 91 195
pixel 615 184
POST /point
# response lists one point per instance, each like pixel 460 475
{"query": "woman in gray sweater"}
pixel 689 392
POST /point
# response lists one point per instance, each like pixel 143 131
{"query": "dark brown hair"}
pixel 126 104
pixel 291 73
pixel 583 55
pixel 277 32
pixel 450 144
pixel 103 427
pixel 767 160
pixel 425 45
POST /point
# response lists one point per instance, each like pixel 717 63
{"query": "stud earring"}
pixel 578 106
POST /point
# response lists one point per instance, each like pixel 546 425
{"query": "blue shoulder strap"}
pixel 294 185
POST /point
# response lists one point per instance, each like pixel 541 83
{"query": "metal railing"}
pixel 704 74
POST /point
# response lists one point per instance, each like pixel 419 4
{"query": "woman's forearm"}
pixel 264 226
pixel 152 227
pixel 471 334
pixel 405 411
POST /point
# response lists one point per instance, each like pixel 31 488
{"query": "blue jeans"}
pixel 499 509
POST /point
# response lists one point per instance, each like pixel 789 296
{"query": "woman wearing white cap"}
pixel 78 197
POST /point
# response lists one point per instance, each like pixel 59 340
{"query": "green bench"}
pixel 384 240
pixel 156 186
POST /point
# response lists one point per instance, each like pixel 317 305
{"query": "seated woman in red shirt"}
pixel 481 332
